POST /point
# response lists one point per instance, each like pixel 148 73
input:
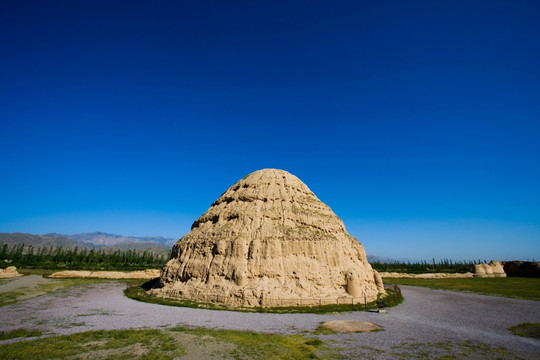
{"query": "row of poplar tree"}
pixel 418 267
pixel 75 258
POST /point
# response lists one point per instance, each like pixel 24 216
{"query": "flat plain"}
pixel 93 315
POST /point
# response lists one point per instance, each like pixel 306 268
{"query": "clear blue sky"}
pixel 417 122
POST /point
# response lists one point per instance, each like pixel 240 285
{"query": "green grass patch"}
pixel 253 345
pixel 390 299
pixel 114 344
pixel 531 330
pixel 323 330
pixel 29 271
pixel 164 344
pixel 17 333
pixel 518 288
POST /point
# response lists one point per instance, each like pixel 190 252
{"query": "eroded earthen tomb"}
pixel 269 241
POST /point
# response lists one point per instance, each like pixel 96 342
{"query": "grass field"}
pixel 27 271
pixel 117 344
pixel 164 344
pixel 518 288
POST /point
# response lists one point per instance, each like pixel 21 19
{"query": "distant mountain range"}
pixel 38 240
pixel 380 259
pixel 103 239
pixel 96 239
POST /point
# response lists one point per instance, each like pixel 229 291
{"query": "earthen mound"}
pixel 9 272
pixel 493 269
pixel 268 241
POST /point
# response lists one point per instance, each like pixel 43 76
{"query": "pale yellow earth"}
pixel 9 272
pixel 143 274
pixel 493 269
pixel 268 240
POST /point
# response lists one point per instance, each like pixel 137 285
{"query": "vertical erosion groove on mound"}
pixel 268 241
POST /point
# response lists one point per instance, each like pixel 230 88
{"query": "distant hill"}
pixel 38 240
pixel 156 244
pixel 104 239
pixel 380 259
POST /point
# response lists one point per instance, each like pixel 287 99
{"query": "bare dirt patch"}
pixel 351 326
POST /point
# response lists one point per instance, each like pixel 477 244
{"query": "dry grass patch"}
pixel 253 345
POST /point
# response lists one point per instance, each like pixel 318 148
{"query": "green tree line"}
pixel 419 267
pixel 74 258
pixel 92 259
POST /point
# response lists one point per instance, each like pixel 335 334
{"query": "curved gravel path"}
pixel 425 317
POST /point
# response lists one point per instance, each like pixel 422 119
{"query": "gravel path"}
pixel 7 285
pixel 427 316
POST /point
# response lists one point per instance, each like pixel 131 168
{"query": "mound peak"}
pixel 268 239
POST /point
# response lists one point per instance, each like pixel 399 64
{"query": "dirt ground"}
pixel 430 323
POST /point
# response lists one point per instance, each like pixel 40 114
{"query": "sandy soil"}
pixel 84 274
